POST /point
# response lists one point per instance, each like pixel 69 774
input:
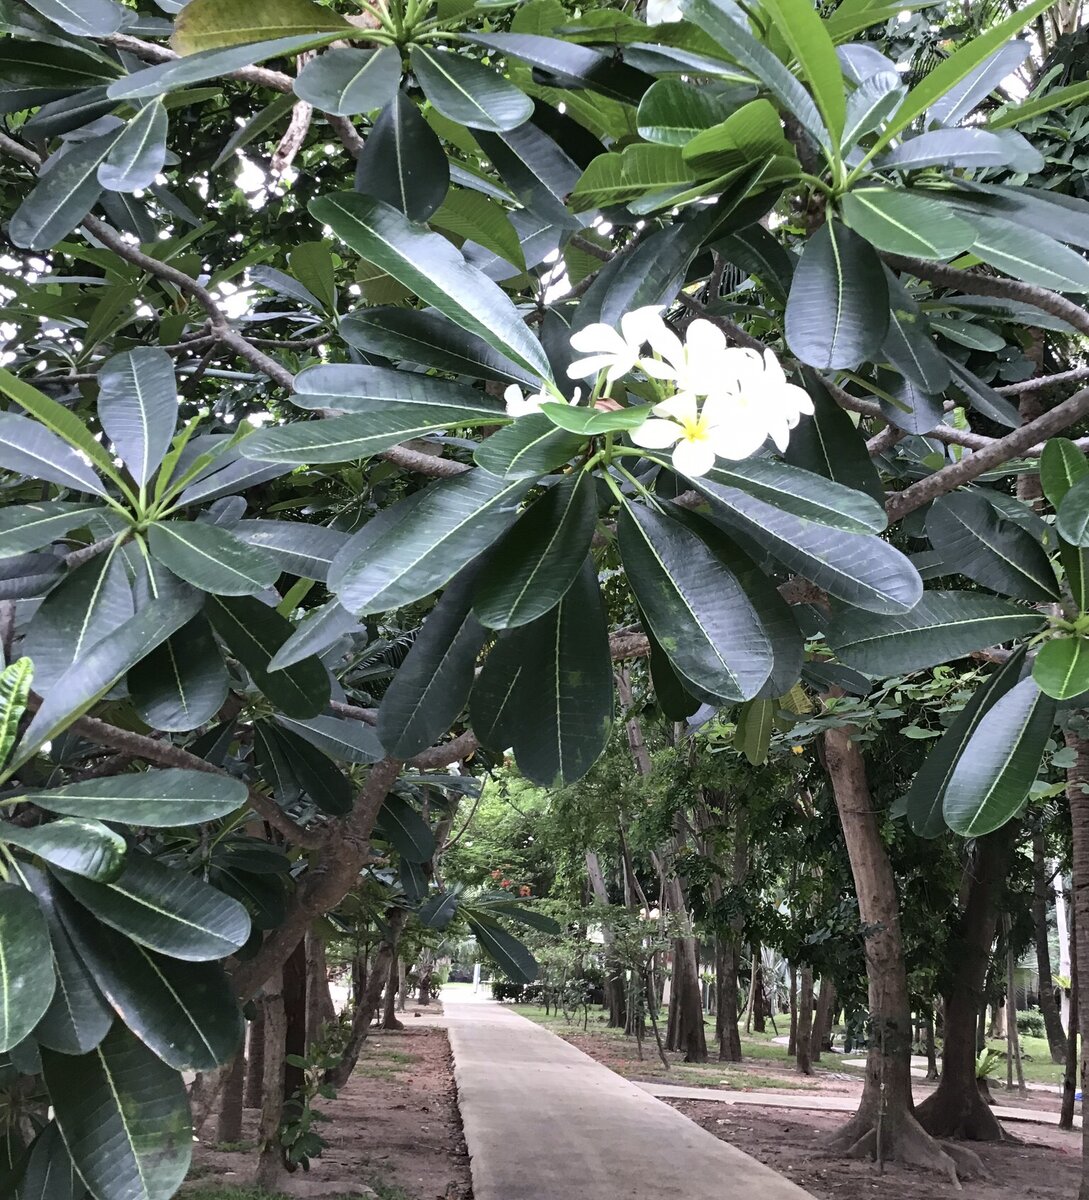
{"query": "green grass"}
pixel 1035 1061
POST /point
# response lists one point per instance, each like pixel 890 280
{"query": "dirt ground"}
pixel 395 1126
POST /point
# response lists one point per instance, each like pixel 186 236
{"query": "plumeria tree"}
pixel 526 342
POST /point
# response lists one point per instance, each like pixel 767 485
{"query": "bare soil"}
pixel 395 1125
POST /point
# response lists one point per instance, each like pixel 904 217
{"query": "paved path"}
pixel 543 1121
pixel 671 1091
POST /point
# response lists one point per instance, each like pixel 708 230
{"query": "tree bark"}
pixel 931 1051
pixel 686 995
pixel 1013 1036
pixel 1070 1072
pixel 270 1167
pixel 615 995
pixel 956 1108
pixel 804 1024
pixel 319 1000
pixel 229 1123
pixel 1077 783
pixel 884 1126
pixel 294 998
pixel 759 996
pixel 822 1018
pixel 792 1035
pixel 255 1059
pixel 393 986
pixel 726 1014
pixel 1041 897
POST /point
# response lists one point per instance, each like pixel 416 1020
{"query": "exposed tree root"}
pixel 962 1114
pixel 904 1140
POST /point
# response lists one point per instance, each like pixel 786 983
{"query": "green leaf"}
pixel 186 1013
pixel 673 697
pixel 1072 522
pixel 183 683
pixel 300 549
pixel 1000 762
pixel 210 64
pixel 803 493
pixel 870 104
pixel 63 196
pixel 432 685
pixel 416 546
pixel 688 589
pixel 478 218
pixel 138 408
pixel 27 979
pixel 158 799
pixel 86 847
pixel 797 22
pixel 319 630
pixel 211 559
pixel 85 18
pixel 124 1116
pixel 264 119
pixel 344 740
pixel 1062 465
pixel 504 949
pixel 15 680
pixel 492 703
pixel 406 831
pixel 316 773
pixel 751 133
pixel 908 344
pixel 139 153
pixel 527 449
pixel 829 444
pixel 26 527
pixel 755 725
pixel 50 1172
pixel 926 796
pixel 403 163
pixel 861 569
pixel 312 265
pixel 1026 254
pixel 210 24
pixel 906 222
pixel 673 111
pixel 92 676
pixel 1061 668
pixel 164 909
pixel 34 451
pixel 589 422
pixel 530 569
pixel 837 311
pixel 33 73
pixel 942 627
pixel 358 389
pixel 253 633
pixel 467 92
pixel 958 66
pixel 434 270
pixel 971 539
pixel 1075 562
pixel 78 1018
pixel 345 81
pixel 1067 97
pixel 358 435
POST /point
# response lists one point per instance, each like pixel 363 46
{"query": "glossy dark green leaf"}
pixel 982 397
pixel 319 777
pixel 1062 465
pixel 342 739
pixel 30 449
pixel 186 1013
pixel 504 949
pixel 299 548
pixel 755 725
pixel 158 799
pixel 528 448
pixel 589 422
pixel 124 1115
pixel 927 792
pixel 1073 513
pixel 50 1172
pixel 1000 762
pixel 690 596
pixel 321 628
pixel 253 633
pixel 212 559
pixel 28 576
pixel 468 92
pixel 92 602
pixel 358 389
pixel 274 765
pixel 63 196
pixel 402 162
pixel 537 559
pixel 345 81
pixel 182 684
pixel 87 18
pixel 1061 667
pixel 439 911
pixel 416 546
pixel 15 681
pixel 429 265
pixel 432 685
pixel 29 526
pixel 900 221
pixel 1031 256
pixel 859 568
pixel 80 845
pixel 972 539
pixel 943 626
pixel 908 344
pixel 431 340
pixel 92 676
pixel 138 155
pixel 492 702
pixel 828 443
pixel 872 101
pixel 34 72
pixel 674 699
pixel 403 827
pixel 164 909
pixel 27 980
pixel 1075 562
pixel 837 311
pixel 138 407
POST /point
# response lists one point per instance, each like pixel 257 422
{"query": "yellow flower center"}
pixel 695 429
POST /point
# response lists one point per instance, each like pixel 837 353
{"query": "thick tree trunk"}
pixel 393 987
pixel 1070 1071
pixel 956 1108
pixel 294 994
pixel 686 997
pixel 726 1015
pixel 255 1059
pixel 931 1050
pixel 884 1126
pixel 1013 1037
pixel 615 994
pixel 792 1036
pixel 270 1168
pixel 1041 897
pixel 319 1000
pixel 759 996
pixel 822 1018
pixel 1077 783
pixel 804 1023
pixel 229 1123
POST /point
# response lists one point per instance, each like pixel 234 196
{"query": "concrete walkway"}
pixel 669 1091
pixel 543 1121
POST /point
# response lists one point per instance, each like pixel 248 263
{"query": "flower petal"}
pixel 693 458
pixel 656 435
pixel 641 325
pixel 681 407
pixel 737 440
pixel 598 339
pixel 586 368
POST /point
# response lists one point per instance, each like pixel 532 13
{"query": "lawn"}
pixel 1035 1060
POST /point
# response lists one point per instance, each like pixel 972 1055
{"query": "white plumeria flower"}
pixel 659 12
pixel 699 434
pixel 615 351
pixel 698 367
pixel 761 392
pixel 521 405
